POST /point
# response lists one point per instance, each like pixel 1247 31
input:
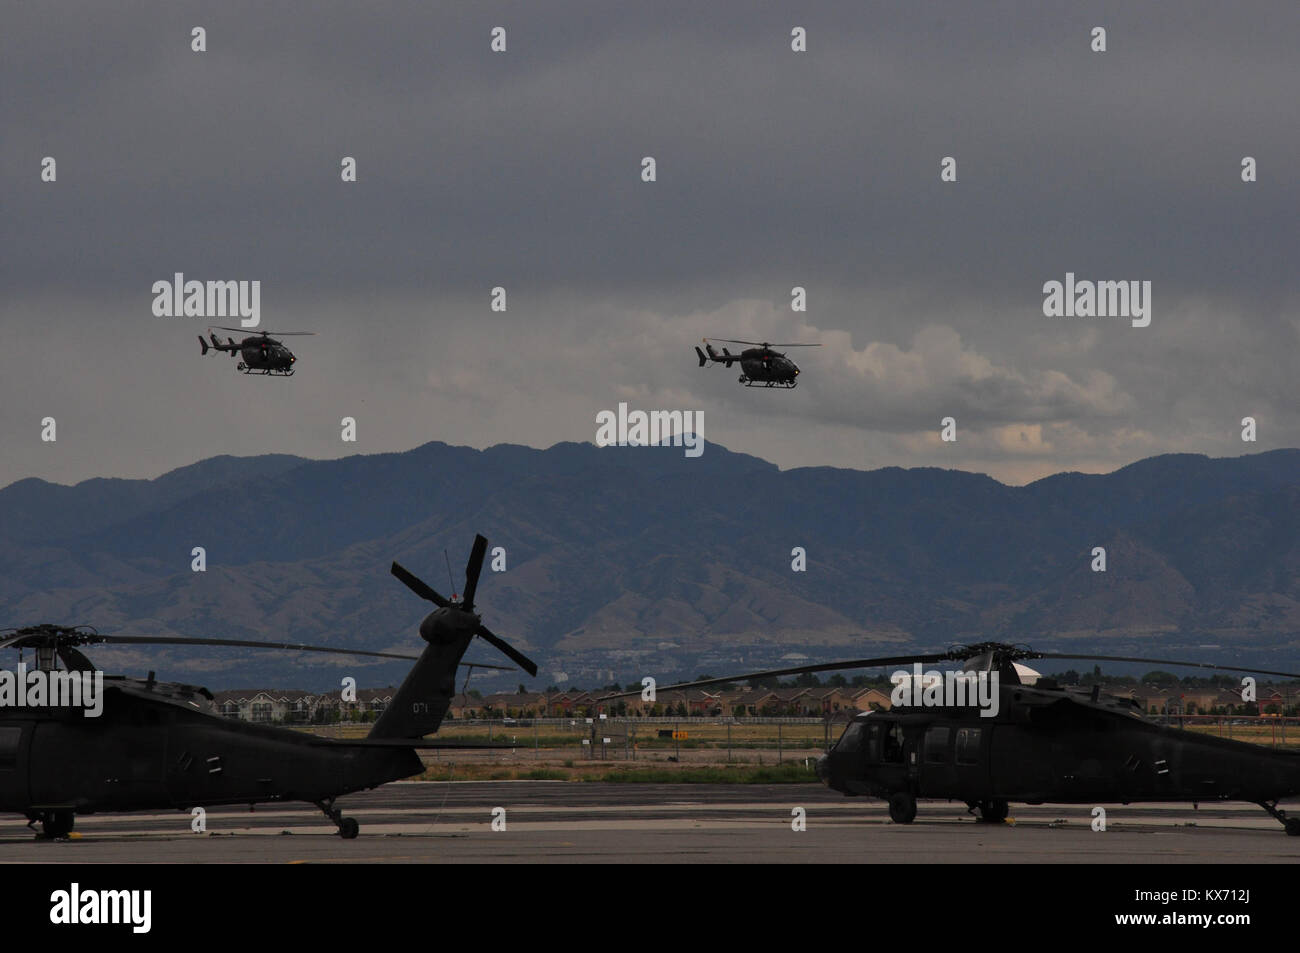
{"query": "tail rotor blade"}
pixel 519 658
pixel 473 568
pixel 421 589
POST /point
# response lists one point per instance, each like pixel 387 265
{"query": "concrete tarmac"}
pixel 559 822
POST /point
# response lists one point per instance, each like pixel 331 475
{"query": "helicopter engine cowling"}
pixel 447 624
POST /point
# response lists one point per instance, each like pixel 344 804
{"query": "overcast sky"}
pixel 775 169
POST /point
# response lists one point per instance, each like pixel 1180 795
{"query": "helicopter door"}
pixel 13 767
pixel 971 762
pixel 938 778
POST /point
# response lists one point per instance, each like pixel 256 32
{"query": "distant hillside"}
pixel 621 557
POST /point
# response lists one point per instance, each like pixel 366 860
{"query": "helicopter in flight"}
pixel 261 353
pixel 155 745
pixel 1035 742
pixel 760 364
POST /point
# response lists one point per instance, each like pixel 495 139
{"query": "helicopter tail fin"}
pixel 703 359
pixel 422 701
pixel 234 348
pixel 203 344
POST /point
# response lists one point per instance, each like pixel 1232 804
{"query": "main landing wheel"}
pixel 1293 826
pixel 994 812
pixel 348 828
pixel 57 823
pixel 902 808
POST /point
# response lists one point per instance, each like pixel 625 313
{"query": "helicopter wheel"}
pixel 902 808
pixel 348 828
pixel 994 812
pixel 57 824
pixel 1293 826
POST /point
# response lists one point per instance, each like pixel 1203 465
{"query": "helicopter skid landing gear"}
pixel 902 808
pixel 348 826
pixel 1291 824
pixel 54 824
pixel 784 385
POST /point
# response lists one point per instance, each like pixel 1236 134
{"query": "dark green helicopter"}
pixel 155 745
pixel 762 365
pixel 260 353
pixel 1033 741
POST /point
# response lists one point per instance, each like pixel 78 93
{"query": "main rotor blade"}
pixel 242 643
pixel 794 345
pixel 1160 661
pixel 473 568
pixel 421 589
pixel 284 646
pixel 799 670
pixel 733 341
pixel 519 658
pixel 222 327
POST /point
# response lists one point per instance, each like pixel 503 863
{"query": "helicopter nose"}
pixel 823 769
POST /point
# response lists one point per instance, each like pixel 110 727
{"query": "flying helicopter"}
pixel 762 366
pixel 1044 743
pixel 261 353
pixel 155 745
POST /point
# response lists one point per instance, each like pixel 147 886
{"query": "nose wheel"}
pixel 54 824
pixel 902 808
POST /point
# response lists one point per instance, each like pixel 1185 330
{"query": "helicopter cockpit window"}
pixel 893 744
pixel 851 740
pixel 936 744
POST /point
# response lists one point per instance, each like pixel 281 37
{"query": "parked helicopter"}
pixel 262 354
pixel 762 366
pixel 1044 743
pixel 154 745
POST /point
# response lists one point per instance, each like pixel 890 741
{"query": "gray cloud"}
pixel 775 169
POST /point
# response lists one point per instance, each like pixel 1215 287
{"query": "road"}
pixel 557 822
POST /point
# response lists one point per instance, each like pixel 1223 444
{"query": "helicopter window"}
pixel 936 744
pixel 9 738
pixel 968 745
pixel 851 740
pixel 894 743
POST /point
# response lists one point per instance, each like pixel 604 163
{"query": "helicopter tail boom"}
pixel 726 357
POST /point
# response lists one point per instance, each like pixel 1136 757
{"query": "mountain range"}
pixel 620 560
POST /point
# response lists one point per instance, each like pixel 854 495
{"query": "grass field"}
pixel 757 753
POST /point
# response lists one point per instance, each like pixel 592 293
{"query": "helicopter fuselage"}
pixel 765 367
pixel 1047 746
pixel 265 354
pixel 144 754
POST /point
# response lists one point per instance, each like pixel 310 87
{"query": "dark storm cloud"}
pixel 775 169
pixel 474 164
